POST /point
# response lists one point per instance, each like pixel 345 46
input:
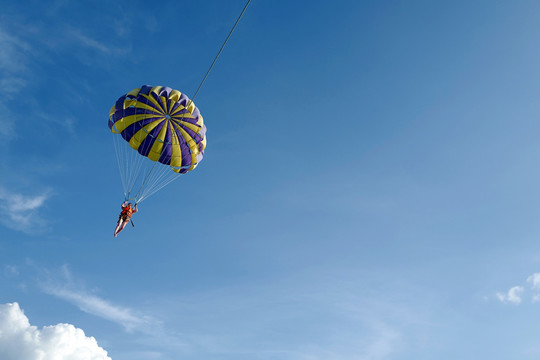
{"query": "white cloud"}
pixel 534 280
pixel 71 291
pixel 21 341
pixel 20 212
pixel 513 296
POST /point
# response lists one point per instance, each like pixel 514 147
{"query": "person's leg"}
pixel 119 227
pixel 124 223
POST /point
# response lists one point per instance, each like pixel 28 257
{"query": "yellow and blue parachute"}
pixel 158 134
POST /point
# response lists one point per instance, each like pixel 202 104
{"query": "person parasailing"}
pixel 125 216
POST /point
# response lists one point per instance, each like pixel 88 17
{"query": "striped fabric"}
pixel 161 124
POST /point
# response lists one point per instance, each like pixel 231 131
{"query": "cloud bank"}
pixel 21 341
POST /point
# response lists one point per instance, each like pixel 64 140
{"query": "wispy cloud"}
pixel 27 49
pixel 65 287
pixel 66 122
pixel 11 85
pixel 13 53
pixel 13 73
pixel 384 343
pixel 95 305
pixel 83 40
pixel 332 319
pixel 90 42
pixel 11 270
pixel 21 212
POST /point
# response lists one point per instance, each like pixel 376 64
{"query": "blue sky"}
pixel 369 190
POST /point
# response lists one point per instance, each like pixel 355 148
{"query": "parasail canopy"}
pixel 158 134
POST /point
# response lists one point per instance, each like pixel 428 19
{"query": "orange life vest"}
pixel 127 211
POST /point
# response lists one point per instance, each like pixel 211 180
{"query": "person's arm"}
pixel 124 204
pixel 135 209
